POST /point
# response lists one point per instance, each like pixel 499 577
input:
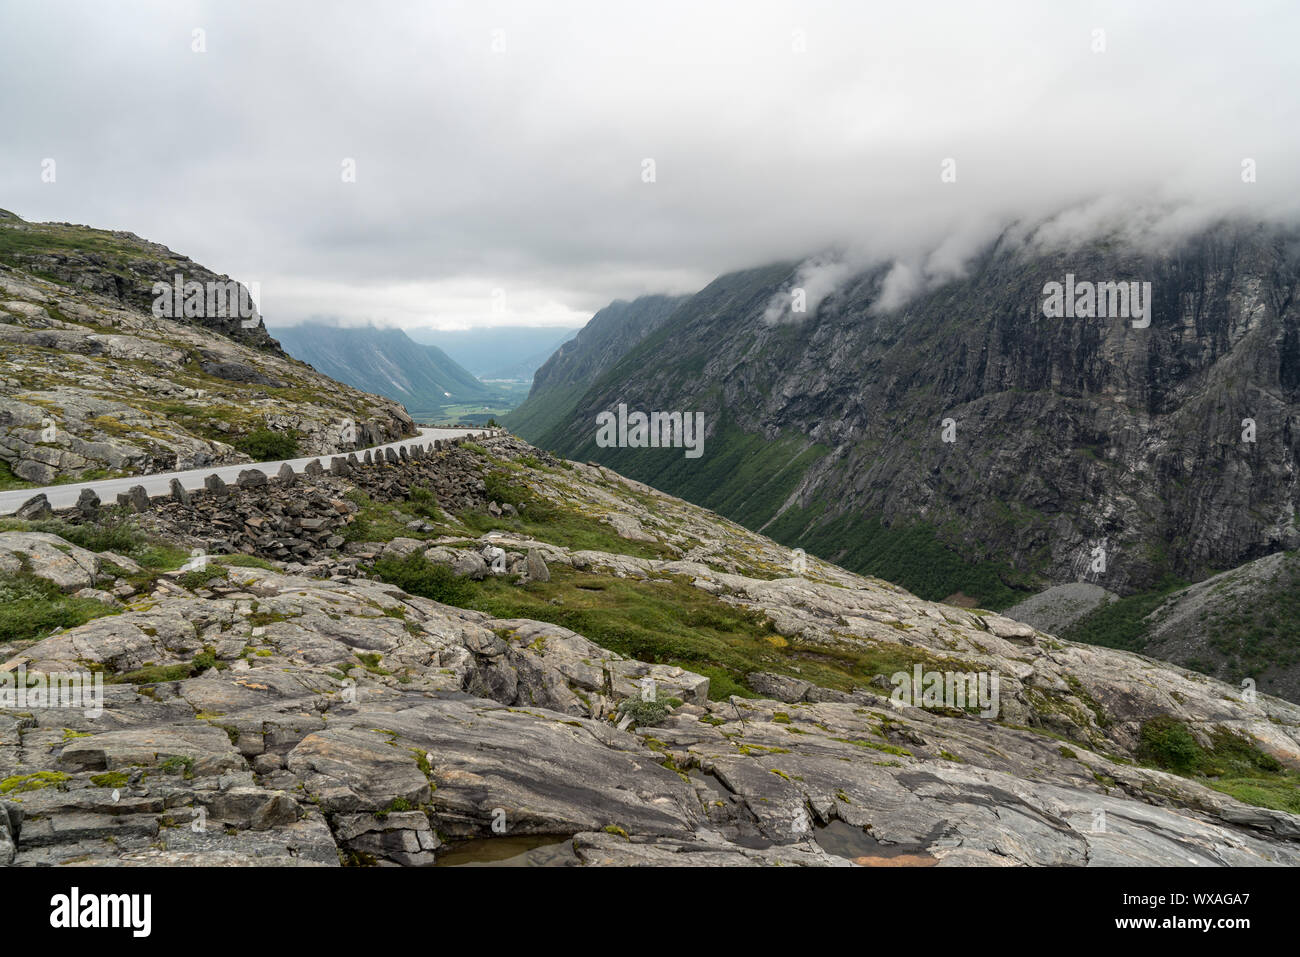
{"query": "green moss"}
pixel 875 746
pixel 109 779
pixel 178 764
pixel 394 806
pixel 645 713
pixel 371 662
pixel 199 578
pixel 154 674
pixel 32 782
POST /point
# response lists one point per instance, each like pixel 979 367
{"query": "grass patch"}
pixel 416 575
pixel 199 578
pixel 264 445
pixel 669 621
pixel 546 521
pixel 33 608
pixel 1233 764
pixel 1121 623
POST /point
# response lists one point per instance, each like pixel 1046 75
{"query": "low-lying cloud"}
pixel 503 147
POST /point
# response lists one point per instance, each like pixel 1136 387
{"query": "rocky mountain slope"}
pixel 1068 435
pixel 386 362
pixel 567 374
pixel 1237 625
pixel 443 658
pixel 94 385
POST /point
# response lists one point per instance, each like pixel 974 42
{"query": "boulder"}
pixel 36 507
pixel 254 807
pixel 138 498
pixel 470 565
pixel 87 503
pixel 536 567
pixel 779 687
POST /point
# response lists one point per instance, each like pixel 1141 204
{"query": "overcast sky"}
pixel 500 148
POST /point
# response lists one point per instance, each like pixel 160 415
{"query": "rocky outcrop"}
pixel 310 715
pixel 94 384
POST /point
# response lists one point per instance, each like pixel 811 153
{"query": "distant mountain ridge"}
pixel 385 361
pixel 94 384
pixel 498 352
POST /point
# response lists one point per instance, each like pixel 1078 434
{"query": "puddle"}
pixel 536 850
pixel 844 840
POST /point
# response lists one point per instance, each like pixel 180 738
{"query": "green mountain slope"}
pixel 578 362
pixel 1071 435
pixel 385 361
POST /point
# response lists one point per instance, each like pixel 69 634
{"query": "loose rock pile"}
pixel 291 517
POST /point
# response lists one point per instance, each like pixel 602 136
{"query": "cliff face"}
pixel 1076 440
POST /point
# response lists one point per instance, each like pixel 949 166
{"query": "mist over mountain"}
pixel 701 435
pixel 946 434
pixel 565 375
pixel 498 352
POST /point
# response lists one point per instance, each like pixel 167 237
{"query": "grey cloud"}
pixel 520 170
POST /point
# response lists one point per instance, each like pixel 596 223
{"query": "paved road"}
pixel 65 496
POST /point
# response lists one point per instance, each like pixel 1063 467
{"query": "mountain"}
pixel 567 374
pixel 385 361
pixel 1236 625
pixel 94 384
pixel 526 368
pixel 1085 449
pixel 407 659
pixel 118 267
pixel 498 352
